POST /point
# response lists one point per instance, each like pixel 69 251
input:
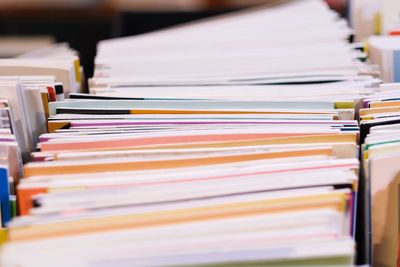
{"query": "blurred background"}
pixel 29 24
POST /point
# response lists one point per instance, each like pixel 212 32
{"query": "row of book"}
pixel 228 142
pixel 379 123
pixel 27 84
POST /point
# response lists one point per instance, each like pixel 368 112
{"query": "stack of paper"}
pixel 263 46
pixel 379 127
pixel 24 107
pixel 22 122
pixel 229 142
pixel 58 60
pixel 260 204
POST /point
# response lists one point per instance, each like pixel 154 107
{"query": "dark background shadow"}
pixel 83 28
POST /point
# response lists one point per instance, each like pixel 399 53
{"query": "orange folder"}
pixel 25 199
pixel 384 104
pixel 211 111
pixel 302 139
pixel 371 111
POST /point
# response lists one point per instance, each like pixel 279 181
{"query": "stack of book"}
pixel 380 124
pixel 228 142
pixel 24 98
